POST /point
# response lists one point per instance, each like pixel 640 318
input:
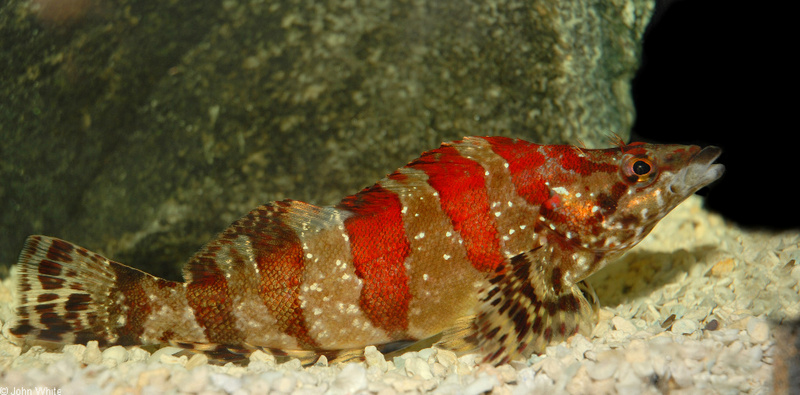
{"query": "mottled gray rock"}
pixel 140 129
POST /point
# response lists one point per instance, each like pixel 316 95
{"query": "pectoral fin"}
pixel 525 307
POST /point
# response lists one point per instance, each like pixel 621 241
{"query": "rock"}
pixel 350 84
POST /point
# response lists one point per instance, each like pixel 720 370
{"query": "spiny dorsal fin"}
pixel 522 311
pixel 275 226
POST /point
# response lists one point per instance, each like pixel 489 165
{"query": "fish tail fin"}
pixel 66 294
pixel 522 311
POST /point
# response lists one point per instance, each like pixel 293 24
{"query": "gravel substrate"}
pixel 694 308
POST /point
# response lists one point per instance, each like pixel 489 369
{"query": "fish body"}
pixel 481 245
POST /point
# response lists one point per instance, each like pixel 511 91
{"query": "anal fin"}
pixel 239 353
pixel 525 308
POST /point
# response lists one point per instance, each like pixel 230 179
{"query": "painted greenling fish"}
pixel 480 245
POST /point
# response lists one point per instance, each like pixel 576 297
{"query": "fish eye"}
pixel 640 170
pixel 641 167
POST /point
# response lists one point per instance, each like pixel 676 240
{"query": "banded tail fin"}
pixel 68 294
pixel 522 311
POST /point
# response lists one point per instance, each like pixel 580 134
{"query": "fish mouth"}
pixel 700 172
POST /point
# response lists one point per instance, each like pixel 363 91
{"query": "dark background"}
pixel 722 73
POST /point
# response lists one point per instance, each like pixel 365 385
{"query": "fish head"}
pixel 623 193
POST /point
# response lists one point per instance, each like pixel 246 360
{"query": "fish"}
pixel 482 245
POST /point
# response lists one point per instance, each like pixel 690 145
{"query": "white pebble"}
pixel 92 353
pixel 427 354
pixel 352 379
pixel 76 350
pixel 623 325
pixel 137 354
pixel 375 360
pixel 602 369
pixel 417 367
pixel 191 381
pixel 758 330
pixel 684 327
pixel 114 356
pixel 285 384
pixel 261 356
pixel 225 382
pixel 156 356
pixel 553 368
pixel 447 358
pixel 482 384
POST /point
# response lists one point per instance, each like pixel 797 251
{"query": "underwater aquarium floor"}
pixel 700 306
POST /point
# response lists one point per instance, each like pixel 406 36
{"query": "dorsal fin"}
pixel 271 227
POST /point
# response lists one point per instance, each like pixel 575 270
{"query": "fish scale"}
pixel 481 245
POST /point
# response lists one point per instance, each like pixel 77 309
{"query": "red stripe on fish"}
pixel 379 248
pixel 208 294
pixel 137 306
pixel 524 161
pixel 572 160
pixel 277 265
pixel 460 184
pixel 281 273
